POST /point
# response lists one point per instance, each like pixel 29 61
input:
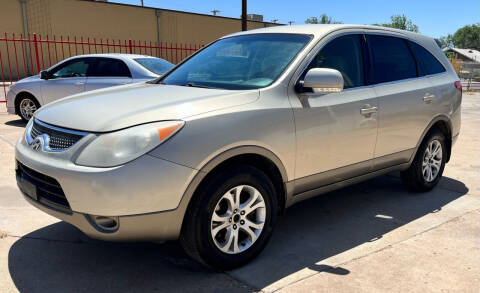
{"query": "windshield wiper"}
pixel 192 84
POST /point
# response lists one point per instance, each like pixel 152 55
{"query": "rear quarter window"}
pixel 155 65
pixel 428 64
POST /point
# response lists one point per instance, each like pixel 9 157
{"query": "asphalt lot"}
pixel 369 237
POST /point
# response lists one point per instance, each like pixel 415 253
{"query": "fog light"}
pixel 104 223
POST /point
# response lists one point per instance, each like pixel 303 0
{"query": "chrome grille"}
pixel 59 139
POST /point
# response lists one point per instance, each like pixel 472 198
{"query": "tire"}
pixel 416 178
pixel 198 236
pixel 25 107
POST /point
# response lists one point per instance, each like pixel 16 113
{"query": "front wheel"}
pixel 26 107
pixel 231 219
pixel 428 164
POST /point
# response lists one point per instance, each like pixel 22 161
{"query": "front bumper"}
pixel 144 195
pixel 145 227
pixel 10 101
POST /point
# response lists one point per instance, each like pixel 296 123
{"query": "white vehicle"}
pixel 79 74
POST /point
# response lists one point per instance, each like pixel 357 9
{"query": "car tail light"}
pixel 458 85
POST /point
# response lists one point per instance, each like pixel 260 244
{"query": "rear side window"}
pixel 345 55
pixel 108 67
pixel 392 59
pixel 427 63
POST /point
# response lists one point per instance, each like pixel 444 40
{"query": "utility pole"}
pixel 291 22
pixel 23 6
pixel 215 11
pixel 244 15
pixel 141 2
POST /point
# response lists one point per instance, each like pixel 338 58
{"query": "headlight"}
pixel 119 147
pixel 28 128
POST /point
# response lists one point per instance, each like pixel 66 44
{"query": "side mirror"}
pixel 43 74
pixel 323 80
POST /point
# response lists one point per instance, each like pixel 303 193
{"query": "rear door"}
pixel 107 72
pixel 404 110
pixel 442 84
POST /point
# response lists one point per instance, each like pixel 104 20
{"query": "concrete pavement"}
pixel 370 237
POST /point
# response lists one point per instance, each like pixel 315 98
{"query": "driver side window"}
pixel 74 68
pixel 345 55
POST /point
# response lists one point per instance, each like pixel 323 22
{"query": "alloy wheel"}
pixel 432 160
pixel 238 219
pixel 27 108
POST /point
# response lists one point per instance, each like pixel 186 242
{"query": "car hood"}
pixel 29 79
pixel 119 107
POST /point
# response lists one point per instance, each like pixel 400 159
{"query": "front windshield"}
pixel 241 62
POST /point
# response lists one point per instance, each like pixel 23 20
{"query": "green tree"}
pixel 446 41
pixel 400 22
pixel 324 19
pixel 467 37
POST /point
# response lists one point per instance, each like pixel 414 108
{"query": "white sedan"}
pixel 79 74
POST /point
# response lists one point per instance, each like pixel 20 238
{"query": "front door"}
pixel 336 132
pixel 67 79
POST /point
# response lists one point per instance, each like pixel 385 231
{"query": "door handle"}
pixel 368 110
pixel 80 83
pixel 428 98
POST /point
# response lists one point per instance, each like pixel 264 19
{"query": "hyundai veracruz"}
pixel 215 150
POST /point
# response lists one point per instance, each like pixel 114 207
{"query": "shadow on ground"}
pixel 310 232
pixel 16 123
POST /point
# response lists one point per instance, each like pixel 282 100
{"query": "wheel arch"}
pixel 255 156
pixel 20 94
pixel 443 124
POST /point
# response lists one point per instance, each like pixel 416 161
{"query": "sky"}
pixel 435 18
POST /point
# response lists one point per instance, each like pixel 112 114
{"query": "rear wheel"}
pixel 428 164
pixel 231 219
pixel 27 105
